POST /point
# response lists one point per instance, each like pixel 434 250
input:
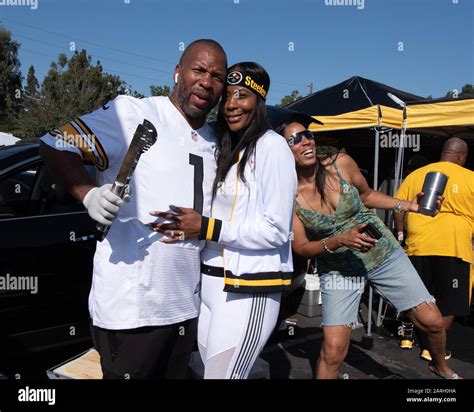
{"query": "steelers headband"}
pixel 241 78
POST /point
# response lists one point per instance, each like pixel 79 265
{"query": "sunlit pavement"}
pixel 292 353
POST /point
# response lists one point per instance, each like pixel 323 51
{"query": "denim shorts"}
pixel 395 279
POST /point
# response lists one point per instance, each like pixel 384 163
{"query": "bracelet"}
pixel 397 208
pixel 326 246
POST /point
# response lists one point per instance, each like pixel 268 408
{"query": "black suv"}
pixel 46 253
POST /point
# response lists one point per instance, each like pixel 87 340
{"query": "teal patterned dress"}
pixel 349 213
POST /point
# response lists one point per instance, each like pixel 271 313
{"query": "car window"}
pixel 32 191
pixel 53 198
pixel 15 192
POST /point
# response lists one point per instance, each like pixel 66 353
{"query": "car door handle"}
pixel 84 237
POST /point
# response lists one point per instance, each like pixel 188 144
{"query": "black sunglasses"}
pixel 296 138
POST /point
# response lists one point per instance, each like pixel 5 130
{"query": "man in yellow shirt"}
pixel 440 247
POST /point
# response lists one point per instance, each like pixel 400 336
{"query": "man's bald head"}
pixel 209 43
pixel 454 150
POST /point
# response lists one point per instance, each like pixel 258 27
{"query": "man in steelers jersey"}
pixel 144 299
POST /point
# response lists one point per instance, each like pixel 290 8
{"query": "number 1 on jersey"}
pixel 198 164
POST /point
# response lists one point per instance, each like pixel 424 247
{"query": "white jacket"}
pixel 255 224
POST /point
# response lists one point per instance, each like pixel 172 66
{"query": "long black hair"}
pixel 320 171
pixel 230 144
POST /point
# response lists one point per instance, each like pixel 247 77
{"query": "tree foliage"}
pixel 32 88
pixel 72 87
pixel 160 90
pixel 466 89
pixel 10 80
pixel 292 97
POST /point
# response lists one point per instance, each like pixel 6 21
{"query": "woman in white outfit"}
pixel 247 260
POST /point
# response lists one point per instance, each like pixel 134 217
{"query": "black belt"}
pixel 212 270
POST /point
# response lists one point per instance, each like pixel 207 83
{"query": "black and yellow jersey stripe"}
pixel 78 134
pixel 266 282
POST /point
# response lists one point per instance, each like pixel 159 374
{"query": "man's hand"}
pixel 186 224
pixel 102 204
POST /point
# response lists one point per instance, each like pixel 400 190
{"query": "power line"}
pixel 89 42
pixel 36 52
pixel 290 84
pixel 106 70
pixel 123 51
pixel 124 73
pixel 94 55
pixel 114 60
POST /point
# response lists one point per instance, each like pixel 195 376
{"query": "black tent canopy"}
pixel 351 95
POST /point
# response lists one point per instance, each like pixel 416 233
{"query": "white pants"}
pixel 233 328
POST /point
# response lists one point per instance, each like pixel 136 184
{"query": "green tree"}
pixel 293 97
pixel 32 88
pixel 72 87
pixel 10 80
pixel 466 89
pixel 160 90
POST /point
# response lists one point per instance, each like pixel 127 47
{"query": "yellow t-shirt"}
pixel 449 233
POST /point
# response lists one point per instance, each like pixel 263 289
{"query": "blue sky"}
pixel 331 42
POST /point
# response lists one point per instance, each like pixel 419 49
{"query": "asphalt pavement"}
pixel 292 351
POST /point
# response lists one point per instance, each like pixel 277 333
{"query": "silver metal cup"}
pixel 434 185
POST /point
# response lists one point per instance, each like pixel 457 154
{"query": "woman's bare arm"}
pixel 302 246
pixel 371 198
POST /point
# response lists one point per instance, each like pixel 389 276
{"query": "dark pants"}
pixel 447 279
pixel 147 352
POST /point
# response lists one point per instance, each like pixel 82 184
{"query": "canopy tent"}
pixel 443 117
pixel 278 115
pixel 354 103
pixel 352 110
pixel 358 106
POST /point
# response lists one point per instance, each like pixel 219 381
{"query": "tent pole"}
pixel 376 160
pixel 398 178
pixel 399 164
pixel 375 186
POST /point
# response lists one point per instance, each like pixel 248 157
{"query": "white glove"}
pixel 102 204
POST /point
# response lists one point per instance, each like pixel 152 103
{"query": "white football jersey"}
pixel 139 281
